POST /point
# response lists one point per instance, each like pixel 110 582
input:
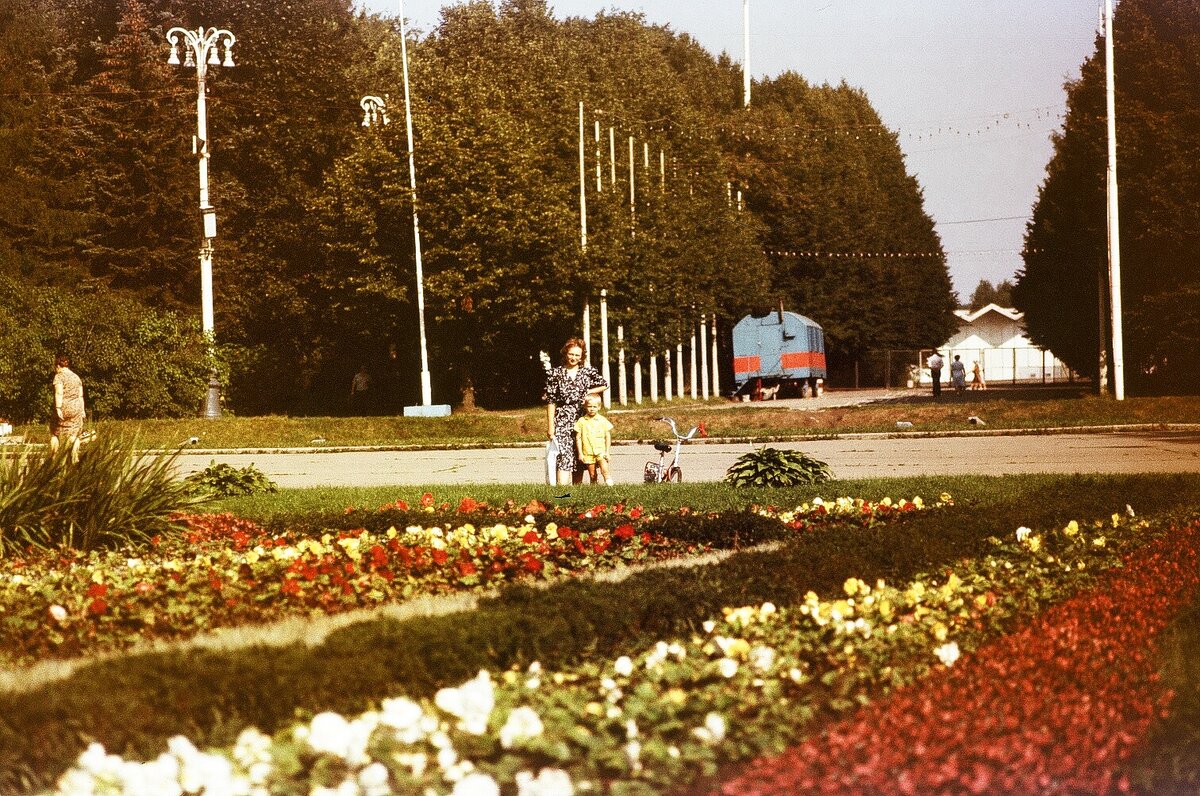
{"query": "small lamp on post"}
pixel 202 48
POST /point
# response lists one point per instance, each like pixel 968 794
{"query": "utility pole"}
pixel 202 50
pixel 1114 231
pixel 746 53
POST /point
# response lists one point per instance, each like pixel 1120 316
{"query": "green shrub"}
pixel 112 497
pixel 777 468
pixel 225 480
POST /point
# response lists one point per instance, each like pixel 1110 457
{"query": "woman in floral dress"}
pixel 566 388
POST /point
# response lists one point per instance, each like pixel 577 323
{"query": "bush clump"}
pixel 772 467
pixel 225 480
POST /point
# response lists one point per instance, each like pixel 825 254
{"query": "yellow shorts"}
pixel 592 458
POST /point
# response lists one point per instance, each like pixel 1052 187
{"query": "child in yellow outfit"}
pixel 593 438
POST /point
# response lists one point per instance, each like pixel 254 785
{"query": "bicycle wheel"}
pixel 675 475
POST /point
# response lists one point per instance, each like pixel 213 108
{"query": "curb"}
pixel 744 440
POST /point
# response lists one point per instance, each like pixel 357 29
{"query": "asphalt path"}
pixel 850 456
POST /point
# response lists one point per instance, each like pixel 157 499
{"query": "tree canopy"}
pixel 1157 55
pixel 314 259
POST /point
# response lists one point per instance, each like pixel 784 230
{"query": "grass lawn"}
pixel 1000 408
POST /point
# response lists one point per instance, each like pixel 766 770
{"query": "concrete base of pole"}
pixel 434 410
pixel 212 401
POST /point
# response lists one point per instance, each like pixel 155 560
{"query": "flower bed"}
pixel 228 572
pixel 756 679
pixel 1057 708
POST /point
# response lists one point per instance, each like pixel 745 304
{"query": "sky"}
pixel 973 88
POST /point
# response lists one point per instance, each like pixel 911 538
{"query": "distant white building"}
pixel 994 337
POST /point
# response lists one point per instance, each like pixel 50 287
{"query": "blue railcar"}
pixel 779 351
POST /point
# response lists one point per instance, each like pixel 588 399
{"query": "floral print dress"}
pixel 567 394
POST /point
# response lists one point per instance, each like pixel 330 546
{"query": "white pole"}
pixel 678 369
pixel 203 48
pixel 716 376
pixel 599 181
pixel 582 187
pixel 667 374
pixel 621 385
pixel 426 389
pixel 692 358
pixel 746 53
pixel 1114 231
pixel 637 381
pixel 605 371
pixel 704 356
pixel 612 158
pixel 632 205
pixel 653 379
pixel 587 333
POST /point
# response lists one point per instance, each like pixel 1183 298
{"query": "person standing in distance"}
pixel 593 439
pixel 958 374
pixel 567 387
pixel 67 423
pixel 936 362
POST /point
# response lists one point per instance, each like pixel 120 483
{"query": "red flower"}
pixel 624 532
pixel 440 557
pixel 567 533
pixel 467 568
pixel 290 586
pixel 531 537
pixel 531 563
pixel 97 590
pixel 97 606
pixel 600 546
pixel 427 499
pixel 215 583
pixel 635 512
pixel 467 505
pixel 378 556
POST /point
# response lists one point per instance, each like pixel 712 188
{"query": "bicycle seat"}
pixel 662 447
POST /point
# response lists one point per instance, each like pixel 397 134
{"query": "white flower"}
pixel 631 729
pixel 608 684
pixel 713 731
pixel 416 762
pixel 404 716
pixel 58 613
pixel 447 757
pixel 549 782
pixel 948 653
pixel 1023 533
pixel 623 666
pixel 374 780
pixel 762 658
pixel 471 702
pixel 633 753
pixel 709 626
pixel 522 723
pixel 728 667
pixel 327 733
pixel 476 785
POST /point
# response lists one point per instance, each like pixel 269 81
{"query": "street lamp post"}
pixel 375 109
pixel 202 48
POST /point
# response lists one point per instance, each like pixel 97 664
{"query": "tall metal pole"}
pixel 426 389
pixel 605 369
pixel 203 48
pixel 582 186
pixel 1114 231
pixel 746 53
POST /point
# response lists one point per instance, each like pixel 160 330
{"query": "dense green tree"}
pixel 986 293
pixel 1157 45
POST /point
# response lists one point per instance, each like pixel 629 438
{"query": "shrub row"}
pixel 134 703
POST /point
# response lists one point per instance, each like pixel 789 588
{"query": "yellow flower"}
pixel 1073 528
pixel 1035 543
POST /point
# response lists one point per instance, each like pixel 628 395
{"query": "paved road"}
pixel 849 457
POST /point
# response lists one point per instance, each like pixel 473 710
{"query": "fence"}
pixel 898 368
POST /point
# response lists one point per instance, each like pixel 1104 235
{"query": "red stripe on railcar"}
pixel 746 364
pixel 802 359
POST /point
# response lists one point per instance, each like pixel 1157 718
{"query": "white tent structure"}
pixel 994 336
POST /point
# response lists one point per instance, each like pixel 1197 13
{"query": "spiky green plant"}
pixel 772 467
pixel 112 497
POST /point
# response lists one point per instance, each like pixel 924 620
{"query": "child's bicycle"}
pixel 660 471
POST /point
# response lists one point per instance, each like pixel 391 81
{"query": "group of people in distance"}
pixel 958 374
pixel 574 424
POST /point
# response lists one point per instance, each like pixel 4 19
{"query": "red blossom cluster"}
pixel 1057 707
